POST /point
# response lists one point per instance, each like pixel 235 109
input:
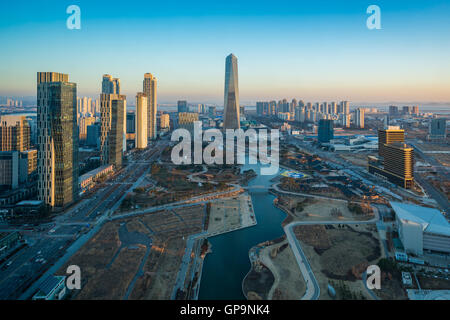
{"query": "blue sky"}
pixel 311 50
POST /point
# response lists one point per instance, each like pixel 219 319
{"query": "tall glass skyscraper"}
pixel 57 139
pixel 112 107
pixel 231 103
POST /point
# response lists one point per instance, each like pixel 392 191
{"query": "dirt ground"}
pixel 315 209
pixel 289 283
pixel 230 213
pixel 444 159
pixel 340 253
pixel 358 159
pixel 258 283
pixel 433 283
pixel 111 259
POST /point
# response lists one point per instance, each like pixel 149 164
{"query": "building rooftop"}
pixel 93 173
pixel 30 203
pixel 432 220
pixel 50 283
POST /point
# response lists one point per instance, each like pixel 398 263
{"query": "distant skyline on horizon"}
pixel 319 51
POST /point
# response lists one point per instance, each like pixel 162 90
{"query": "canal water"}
pixel 225 268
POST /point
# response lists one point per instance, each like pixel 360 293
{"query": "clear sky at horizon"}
pixel 310 50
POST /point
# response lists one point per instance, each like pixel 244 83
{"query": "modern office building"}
pixel 359 118
pixel 16 167
pixel 9 169
pixel 131 124
pixel 396 162
pixel 389 135
pixel 231 101
pixel 421 229
pixel 111 86
pixel 399 162
pixel 182 106
pixel 150 88
pixel 325 130
pixel 14 133
pixel 437 129
pixel 112 122
pixel 141 121
pixel 57 139
pixel 93 135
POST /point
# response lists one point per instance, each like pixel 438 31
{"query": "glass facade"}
pixel 231 102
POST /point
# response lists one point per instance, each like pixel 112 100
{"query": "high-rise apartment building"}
pixel 262 108
pixel 14 133
pixel 83 123
pixel 141 121
pixel 164 121
pixel 110 85
pixel 57 139
pixel 359 118
pixel 231 99
pixel 150 88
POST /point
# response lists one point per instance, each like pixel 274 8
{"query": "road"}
pixel 70 230
pixel 442 172
pixel 312 286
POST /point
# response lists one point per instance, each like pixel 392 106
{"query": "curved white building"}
pixel 422 228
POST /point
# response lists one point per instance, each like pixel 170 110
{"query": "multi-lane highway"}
pixel 21 275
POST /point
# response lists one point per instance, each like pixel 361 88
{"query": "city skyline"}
pixel 320 51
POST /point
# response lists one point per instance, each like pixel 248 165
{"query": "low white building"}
pixel 355 143
pixel 421 228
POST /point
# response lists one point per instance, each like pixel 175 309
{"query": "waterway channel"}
pixel 225 268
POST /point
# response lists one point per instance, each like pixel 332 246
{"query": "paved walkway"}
pixel 312 286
